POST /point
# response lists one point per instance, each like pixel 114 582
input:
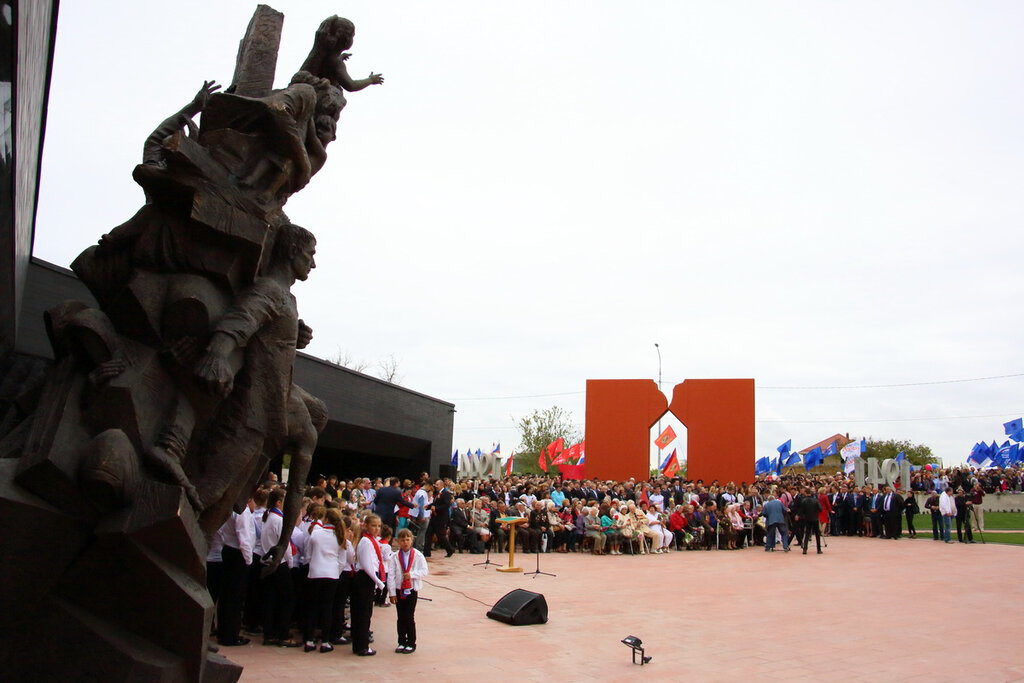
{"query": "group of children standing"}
pixel 336 557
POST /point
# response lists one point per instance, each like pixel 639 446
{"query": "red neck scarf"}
pixel 406 565
pixel 380 558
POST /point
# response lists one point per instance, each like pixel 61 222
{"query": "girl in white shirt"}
pixel 324 549
pixel 369 570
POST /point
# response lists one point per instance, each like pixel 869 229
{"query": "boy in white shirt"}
pixel 405 578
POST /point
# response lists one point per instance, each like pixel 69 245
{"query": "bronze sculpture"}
pixel 165 404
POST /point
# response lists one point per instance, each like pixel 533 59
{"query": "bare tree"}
pixel 387 370
pixel 346 360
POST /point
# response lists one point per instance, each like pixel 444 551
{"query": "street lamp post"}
pixel 658 348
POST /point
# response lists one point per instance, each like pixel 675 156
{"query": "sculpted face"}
pixel 304 262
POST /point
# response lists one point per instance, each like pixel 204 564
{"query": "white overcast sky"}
pixel 809 194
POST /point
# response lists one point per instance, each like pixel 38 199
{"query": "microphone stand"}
pixel 538 572
pixel 487 558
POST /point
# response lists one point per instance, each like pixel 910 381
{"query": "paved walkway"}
pixel 867 609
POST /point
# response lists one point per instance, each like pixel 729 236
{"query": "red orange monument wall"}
pixel 718 415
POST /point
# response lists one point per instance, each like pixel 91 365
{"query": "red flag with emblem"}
pixel 672 466
pixel 508 465
pixel 666 437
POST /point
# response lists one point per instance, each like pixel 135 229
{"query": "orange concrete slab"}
pixel 866 609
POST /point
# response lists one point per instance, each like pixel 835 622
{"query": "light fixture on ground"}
pixel 636 645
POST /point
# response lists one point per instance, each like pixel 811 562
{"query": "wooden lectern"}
pixel 511 523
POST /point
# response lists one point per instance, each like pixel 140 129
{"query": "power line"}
pixel 905 384
pixel 894 419
pixel 509 398
pixel 772 387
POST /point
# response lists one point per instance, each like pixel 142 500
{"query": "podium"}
pixel 511 523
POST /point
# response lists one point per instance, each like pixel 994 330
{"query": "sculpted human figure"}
pixel 249 362
pixel 327 57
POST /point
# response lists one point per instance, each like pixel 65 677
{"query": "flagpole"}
pixel 658 348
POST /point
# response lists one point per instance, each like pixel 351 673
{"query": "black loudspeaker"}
pixel 519 608
pixel 447 471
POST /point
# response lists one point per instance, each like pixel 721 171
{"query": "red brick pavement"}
pixel 867 609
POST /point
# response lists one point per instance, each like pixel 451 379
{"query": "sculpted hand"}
pixel 203 96
pixel 345 56
pixel 376 79
pixel 215 374
pixel 305 335
pixel 104 372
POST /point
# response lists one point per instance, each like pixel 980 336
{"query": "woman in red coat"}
pixel 826 510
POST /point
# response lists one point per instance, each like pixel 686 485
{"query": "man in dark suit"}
pixel 892 512
pixel 440 517
pixel 875 510
pixel 387 498
pixel 836 517
pixel 805 512
pixel 458 527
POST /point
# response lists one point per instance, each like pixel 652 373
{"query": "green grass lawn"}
pixel 994 521
pixel 1003 520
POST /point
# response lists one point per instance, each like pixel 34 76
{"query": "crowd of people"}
pixel 364 543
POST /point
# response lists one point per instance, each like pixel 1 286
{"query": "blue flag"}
pixel 664 462
pixel 497 449
pixel 1014 455
pixel 762 466
pixel 479 454
pixel 863 446
pixel 777 465
pixel 831 450
pixel 1013 426
pixel 901 456
pixel 785 448
pixel 792 459
pixel 455 458
pixel 813 458
pixel 1002 456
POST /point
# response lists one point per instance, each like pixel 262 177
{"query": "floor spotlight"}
pixel 636 645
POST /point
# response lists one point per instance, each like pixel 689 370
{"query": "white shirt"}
pixel 325 557
pixel 271 532
pixel 216 544
pixel 297 552
pixel 239 533
pixel 419 500
pixel 366 560
pixel 417 570
pixel 658 501
pixel 947 506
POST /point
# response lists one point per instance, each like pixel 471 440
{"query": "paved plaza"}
pixel 867 609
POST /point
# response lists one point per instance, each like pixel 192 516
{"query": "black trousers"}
pixel 406 619
pixel 300 576
pixel 962 522
pixel 362 611
pixel 910 524
pixel 214 579
pixel 229 607
pixel 811 527
pixel 254 593
pixel 341 595
pixel 319 607
pixel 277 603
pixel 893 524
pixel 437 527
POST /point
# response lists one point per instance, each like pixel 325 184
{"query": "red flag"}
pixel 555 447
pixel 508 465
pixel 671 466
pixel 565 455
pixel 540 461
pixel 667 437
